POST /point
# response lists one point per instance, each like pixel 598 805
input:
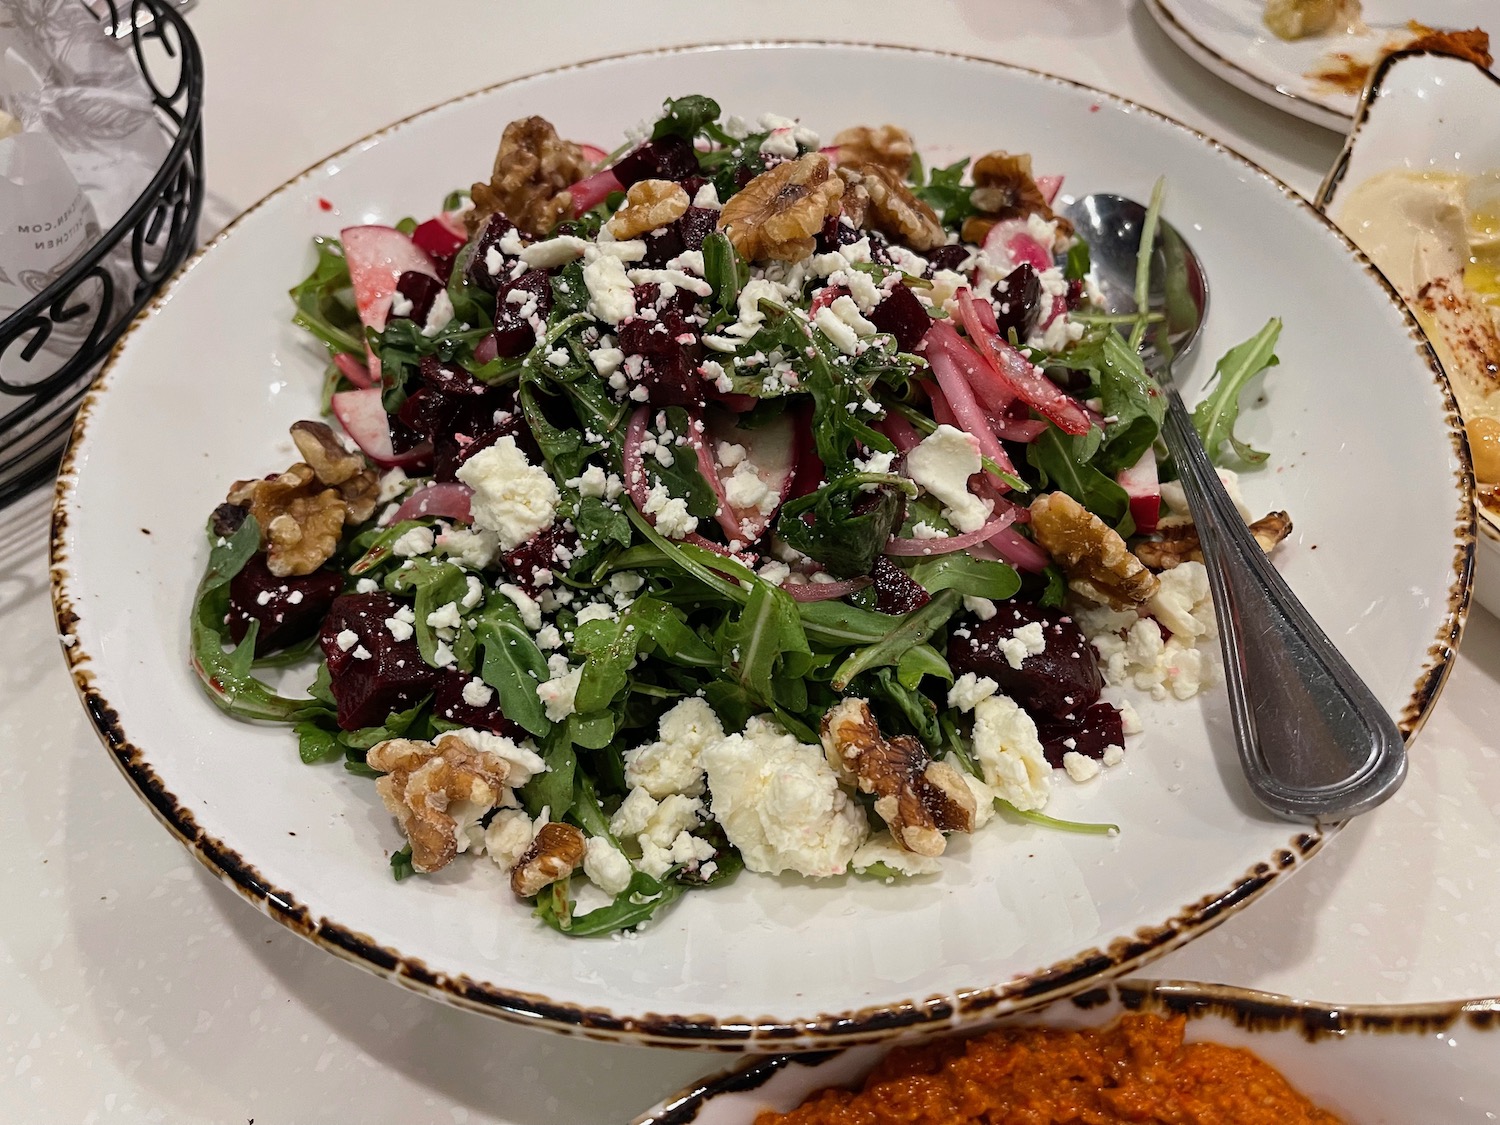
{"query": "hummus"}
pixel 1436 237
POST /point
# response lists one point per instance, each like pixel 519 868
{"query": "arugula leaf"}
pixel 396 725
pixel 316 743
pixel 1078 264
pixel 766 641
pixel 514 666
pixel 1064 463
pixel 682 478
pixel 974 577
pixel 898 706
pixel 227 676
pixel 915 628
pixel 435 583
pixel 609 648
pixel 553 790
pixel 401 867
pixel 1214 418
pixel 725 271
pixel 946 192
pixel 685 117
pixel 324 301
pixel 849 526
pixel 635 904
pixel 1081 827
pixel 376 546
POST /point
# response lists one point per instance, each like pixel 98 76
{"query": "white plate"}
pixel 1366 1065
pixel 1427 111
pixel 1228 37
pixel 204 388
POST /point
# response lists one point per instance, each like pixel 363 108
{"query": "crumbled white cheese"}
pixel 672 517
pixel 346 639
pixel 780 804
pixel 1113 755
pixel 473 548
pixel 553 252
pixel 843 337
pixel 1025 641
pixel 512 497
pixel 707 197
pixel 1008 750
pixel 446 616
pixel 392 485
pixel 439 315
pixel 1080 767
pixel 942 464
pixel 607 361
pixel 605 865
pixel 558 694
pixel 982 608
pixel 477 693
pixel 672 764
pixel 414 542
pixel 882 848
pixel 969 690
pixel 507 837
pixel 611 295
pixel 531 610
pixel 686 849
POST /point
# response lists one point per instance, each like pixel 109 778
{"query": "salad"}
pixel 727 501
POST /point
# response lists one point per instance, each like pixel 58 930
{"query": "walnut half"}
pixel 422 782
pixel 1179 543
pixel 919 798
pixel 556 851
pixel 533 170
pixel 1098 564
pixel 302 511
pixel 893 207
pixel 889 146
pixel 777 214
pixel 649 204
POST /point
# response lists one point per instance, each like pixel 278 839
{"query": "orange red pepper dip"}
pixel 1138 1070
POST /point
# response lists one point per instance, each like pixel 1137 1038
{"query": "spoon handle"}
pixel 1314 741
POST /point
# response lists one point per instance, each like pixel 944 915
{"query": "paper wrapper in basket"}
pixel 84 141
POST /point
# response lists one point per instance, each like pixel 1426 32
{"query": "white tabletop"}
pixel 136 988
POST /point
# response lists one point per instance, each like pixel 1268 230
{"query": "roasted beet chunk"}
pixel 1089 731
pixel 835 233
pixel 1063 677
pixel 496 227
pixel 390 676
pixel 668 348
pixel 903 316
pixel 448 702
pixel 421 290
pixel 946 258
pixel 895 590
pixel 663 245
pixel 548 550
pixel 288 609
pixel 1017 301
pixel 516 303
pixel 696 224
pixel 671 158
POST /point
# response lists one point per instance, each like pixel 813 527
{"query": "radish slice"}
pixel 1017 429
pixel 377 258
pixel 1049 186
pixel 591 191
pixel 726 516
pixel 953 542
pixel 352 369
pixel 1144 489
pixel 487 349
pixel 364 419
pixel 449 500
pixel 1017 372
pixel 593 153
pixel 1019 551
pixel 1011 241
pixel 771 449
pixel 636 485
pixel 965 409
pixel 824 591
pixel 994 394
pixel 733 400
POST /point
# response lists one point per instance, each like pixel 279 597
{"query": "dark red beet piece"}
pixel 1063 677
pixel 1018 300
pixel 671 158
pixel 496 227
pixel 540 552
pixel 514 335
pixel 895 590
pixel 946 258
pixel 696 224
pixel 1074 296
pixel 288 609
pixel 903 316
pixel 669 349
pixel 836 233
pixel 450 379
pixel 439 243
pixel 392 677
pixel 1088 732
pixel 448 703
pixel 664 245
pixel 421 290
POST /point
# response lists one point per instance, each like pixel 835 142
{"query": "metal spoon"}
pixel 1314 741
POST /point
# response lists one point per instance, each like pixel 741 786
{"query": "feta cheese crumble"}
pixel 512 497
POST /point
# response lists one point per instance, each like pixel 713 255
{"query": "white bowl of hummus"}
pixel 1417 187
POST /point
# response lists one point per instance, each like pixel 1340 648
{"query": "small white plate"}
pixel 1366 1065
pixel 205 385
pixel 1229 38
pixel 1427 111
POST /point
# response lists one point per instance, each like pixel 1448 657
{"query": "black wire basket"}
pixel 88 301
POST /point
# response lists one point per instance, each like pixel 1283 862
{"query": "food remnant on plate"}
pixel 716 507
pixel 1436 236
pixel 1138 1070
pixel 1301 19
pixel 1347 71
